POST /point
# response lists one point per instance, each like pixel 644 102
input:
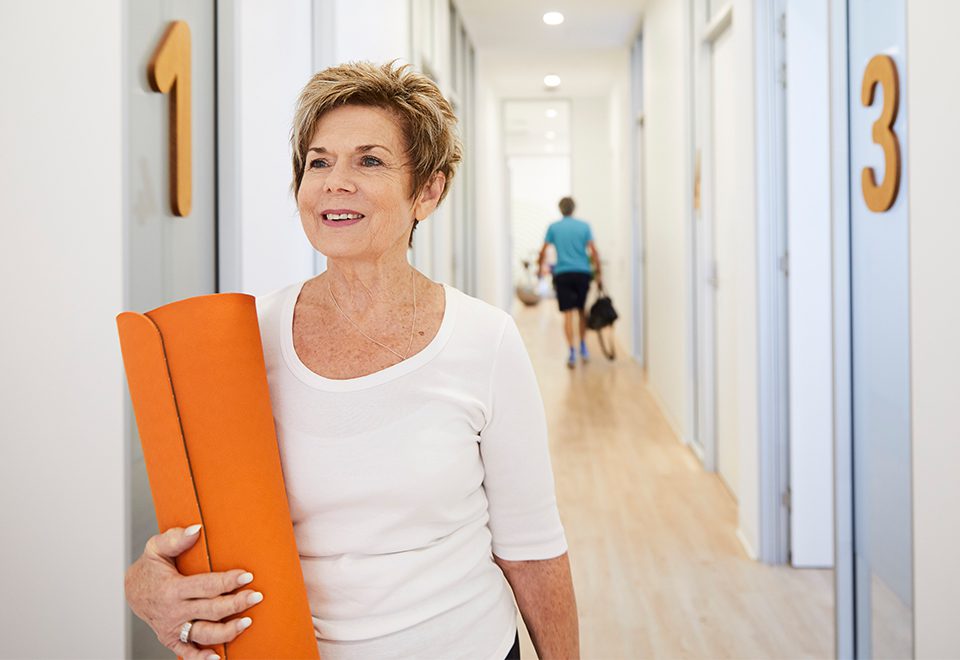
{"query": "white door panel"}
pixel 726 243
pixel 880 313
pixel 169 257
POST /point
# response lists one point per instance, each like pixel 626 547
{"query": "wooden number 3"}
pixel 883 71
pixel 169 72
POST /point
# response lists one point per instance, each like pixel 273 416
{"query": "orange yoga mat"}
pixel 199 387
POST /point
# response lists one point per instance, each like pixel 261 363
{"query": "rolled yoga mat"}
pixel 198 382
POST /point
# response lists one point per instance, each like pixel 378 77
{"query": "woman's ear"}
pixel 430 196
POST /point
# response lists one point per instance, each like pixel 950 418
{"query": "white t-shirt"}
pixel 402 482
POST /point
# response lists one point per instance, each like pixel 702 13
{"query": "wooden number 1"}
pixel 169 72
pixel 882 70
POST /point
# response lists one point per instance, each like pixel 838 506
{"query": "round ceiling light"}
pixel 553 18
pixel 551 80
pixel 551 113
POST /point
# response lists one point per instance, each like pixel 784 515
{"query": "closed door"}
pixel 639 254
pixel 725 232
pixel 169 257
pixel 880 337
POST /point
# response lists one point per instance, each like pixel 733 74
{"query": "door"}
pixel 726 247
pixel 638 260
pixel 169 257
pixel 639 252
pixel 879 300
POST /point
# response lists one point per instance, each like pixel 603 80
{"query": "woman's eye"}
pixel 371 161
pixel 317 163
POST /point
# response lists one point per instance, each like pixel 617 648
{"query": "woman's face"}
pixel 355 198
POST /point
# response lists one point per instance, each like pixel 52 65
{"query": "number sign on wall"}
pixel 881 70
pixel 169 73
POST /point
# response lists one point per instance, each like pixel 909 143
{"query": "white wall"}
pixel 62 490
pixel 935 317
pixel 809 283
pixel 265 60
pixel 372 30
pixel 667 98
pixel 494 283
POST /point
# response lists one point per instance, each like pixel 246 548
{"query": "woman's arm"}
pixel 544 593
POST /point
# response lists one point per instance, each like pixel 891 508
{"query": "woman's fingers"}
pixel 207 632
pixel 173 542
pixel 211 585
pixel 191 652
pixel 216 609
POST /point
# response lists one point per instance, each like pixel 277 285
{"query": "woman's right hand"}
pixel 165 599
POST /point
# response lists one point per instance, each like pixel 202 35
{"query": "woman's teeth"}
pixel 343 216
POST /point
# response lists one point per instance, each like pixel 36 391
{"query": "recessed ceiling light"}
pixel 551 113
pixel 551 135
pixel 551 80
pixel 553 18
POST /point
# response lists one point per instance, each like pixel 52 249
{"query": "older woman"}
pixel 411 428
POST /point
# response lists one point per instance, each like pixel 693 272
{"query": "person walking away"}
pixel 573 240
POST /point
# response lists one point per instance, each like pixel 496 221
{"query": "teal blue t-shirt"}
pixel 570 237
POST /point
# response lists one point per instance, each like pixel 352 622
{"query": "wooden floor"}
pixel 657 567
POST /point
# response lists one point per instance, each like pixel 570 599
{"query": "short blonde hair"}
pixel 426 119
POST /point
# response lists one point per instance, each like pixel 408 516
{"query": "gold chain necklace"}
pixel 413 325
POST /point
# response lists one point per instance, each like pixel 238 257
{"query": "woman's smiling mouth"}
pixel 341 218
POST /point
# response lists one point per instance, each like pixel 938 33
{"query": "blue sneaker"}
pixel 584 354
pixel 572 359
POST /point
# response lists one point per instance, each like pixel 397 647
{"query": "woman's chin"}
pixel 333 251
pixel 337 249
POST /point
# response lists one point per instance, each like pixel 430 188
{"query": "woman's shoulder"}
pixel 478 317
pixel 270 305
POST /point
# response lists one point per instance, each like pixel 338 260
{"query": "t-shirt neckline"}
pixel 412 363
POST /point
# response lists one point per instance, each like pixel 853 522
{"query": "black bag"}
pixel 602 315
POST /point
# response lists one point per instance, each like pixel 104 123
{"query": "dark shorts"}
pixel 514 652
pixel 572 289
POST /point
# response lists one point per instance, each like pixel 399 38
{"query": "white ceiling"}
pixel 516 49
pixel 518 24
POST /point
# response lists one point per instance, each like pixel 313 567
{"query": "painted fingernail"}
pixel 254 598
pixel 213 656
pixel 192 529
pixel 244 623
pixel 245 578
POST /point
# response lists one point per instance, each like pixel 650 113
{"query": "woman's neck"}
pixel 360 286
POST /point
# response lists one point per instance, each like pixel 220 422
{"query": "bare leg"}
pixel 568 327
pixel 584 354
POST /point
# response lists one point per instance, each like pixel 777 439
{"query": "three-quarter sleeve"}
pixel 518 479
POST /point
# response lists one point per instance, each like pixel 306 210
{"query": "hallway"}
pixel 657 566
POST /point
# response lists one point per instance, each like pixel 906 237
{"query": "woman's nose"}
pixel 339 178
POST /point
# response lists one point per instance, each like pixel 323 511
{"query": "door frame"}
pixel 773 402
pixel 843 580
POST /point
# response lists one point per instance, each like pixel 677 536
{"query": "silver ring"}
pixel 185 632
